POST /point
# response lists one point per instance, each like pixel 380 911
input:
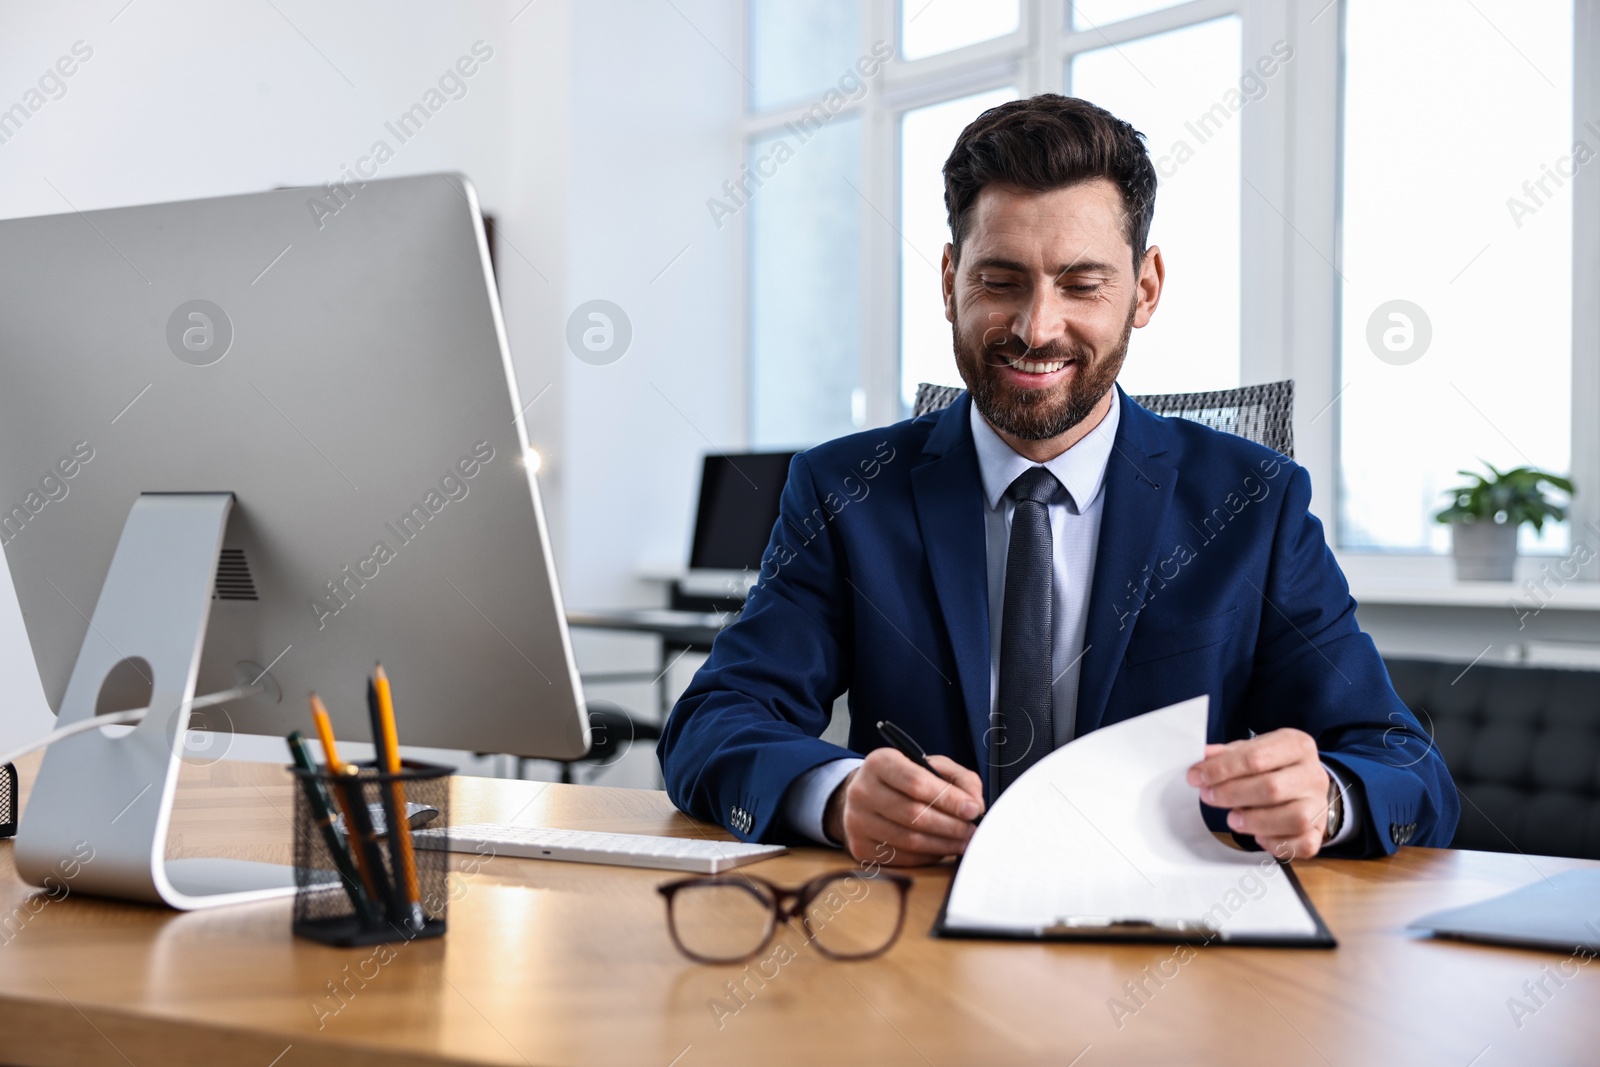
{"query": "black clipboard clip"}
pixel 1101 927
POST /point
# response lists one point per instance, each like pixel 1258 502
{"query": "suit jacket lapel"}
pixel 949 501
pixel 1138 489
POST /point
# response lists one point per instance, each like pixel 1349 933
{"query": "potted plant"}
pixel 1484 518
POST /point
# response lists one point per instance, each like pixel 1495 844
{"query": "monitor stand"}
pixel 96 821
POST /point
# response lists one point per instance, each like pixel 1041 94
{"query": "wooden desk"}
pixel 555 963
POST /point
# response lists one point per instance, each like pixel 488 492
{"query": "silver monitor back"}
pixel 335 359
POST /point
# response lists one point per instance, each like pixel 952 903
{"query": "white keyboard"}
pixel 591 846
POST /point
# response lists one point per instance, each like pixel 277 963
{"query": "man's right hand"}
pixel 890 800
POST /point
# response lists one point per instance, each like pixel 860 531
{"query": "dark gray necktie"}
pixel 1025 732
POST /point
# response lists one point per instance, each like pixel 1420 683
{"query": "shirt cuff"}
pixel 806 801
pixel 1354 816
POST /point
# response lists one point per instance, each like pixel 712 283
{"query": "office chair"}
pixel 612 731
pixel 1260 413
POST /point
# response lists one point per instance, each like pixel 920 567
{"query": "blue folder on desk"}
pixel 1560 912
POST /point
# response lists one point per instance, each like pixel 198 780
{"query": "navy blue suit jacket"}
pixel 1211 577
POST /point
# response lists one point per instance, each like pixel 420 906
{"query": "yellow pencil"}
pixel 389 752
pixel 324 726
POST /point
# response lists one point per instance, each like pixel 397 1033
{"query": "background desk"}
pixel 681 630
pixel 557 963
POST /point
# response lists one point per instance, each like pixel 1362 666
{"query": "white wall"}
pixel 654 133
pixel 655 118
pixel 594 134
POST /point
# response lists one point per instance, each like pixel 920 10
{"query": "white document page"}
pixel 1106 829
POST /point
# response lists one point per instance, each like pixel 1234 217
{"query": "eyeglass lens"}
pixel 854 915
pixel 722 920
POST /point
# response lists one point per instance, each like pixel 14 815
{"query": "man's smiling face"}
pixel 1042 303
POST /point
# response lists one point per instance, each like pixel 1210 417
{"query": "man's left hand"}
pixel 1275 787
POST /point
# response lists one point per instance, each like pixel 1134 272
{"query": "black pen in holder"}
pixel 323 910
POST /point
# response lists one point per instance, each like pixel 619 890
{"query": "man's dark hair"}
pixel 1049 142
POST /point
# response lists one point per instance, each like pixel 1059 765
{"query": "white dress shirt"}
pixel 1075 538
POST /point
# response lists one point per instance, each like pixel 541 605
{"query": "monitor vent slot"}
pixel 233 577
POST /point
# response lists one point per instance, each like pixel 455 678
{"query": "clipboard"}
pixel 1139 931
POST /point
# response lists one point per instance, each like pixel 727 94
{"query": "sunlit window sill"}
pixel 1429 581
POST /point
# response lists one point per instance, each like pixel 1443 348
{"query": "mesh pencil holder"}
pixel 354 883
pixel 8 800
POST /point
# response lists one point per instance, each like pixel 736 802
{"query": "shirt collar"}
pixel 1081 469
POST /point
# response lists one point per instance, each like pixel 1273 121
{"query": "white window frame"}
pixel 1586 285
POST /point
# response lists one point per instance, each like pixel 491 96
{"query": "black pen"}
pixel 364 836
pixel 912 751
pixel 322 814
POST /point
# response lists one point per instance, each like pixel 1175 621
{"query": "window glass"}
pixel 805 284
pixel 1183 91
pixel 927 134
pixel 928 27
pixel 1456 298
pixel 799 51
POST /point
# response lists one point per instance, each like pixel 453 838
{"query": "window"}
pixel 1456 275
pixel 1391 204
pixel 928 27
pixel 805 323
pixel 926 136
pixel 843 307
pixel 798 50
pixel 799 201
pixel 1174 88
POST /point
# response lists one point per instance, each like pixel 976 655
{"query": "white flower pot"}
pixel 1484 551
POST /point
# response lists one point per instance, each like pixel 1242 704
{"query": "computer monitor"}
pixel 738 506
pixel 264 441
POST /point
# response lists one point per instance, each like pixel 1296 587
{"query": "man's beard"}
pixel 1038 414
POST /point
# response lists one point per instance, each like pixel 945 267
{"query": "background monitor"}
pixel 738 506
pixel 336 359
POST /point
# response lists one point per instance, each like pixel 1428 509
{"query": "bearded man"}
pixel 1044 557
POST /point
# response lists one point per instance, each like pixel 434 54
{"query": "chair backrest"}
pixel 1260 413
pixel 932 397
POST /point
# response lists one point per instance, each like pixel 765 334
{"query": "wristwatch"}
pixel 1335 810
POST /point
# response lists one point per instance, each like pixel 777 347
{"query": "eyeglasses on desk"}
pixel 730 918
